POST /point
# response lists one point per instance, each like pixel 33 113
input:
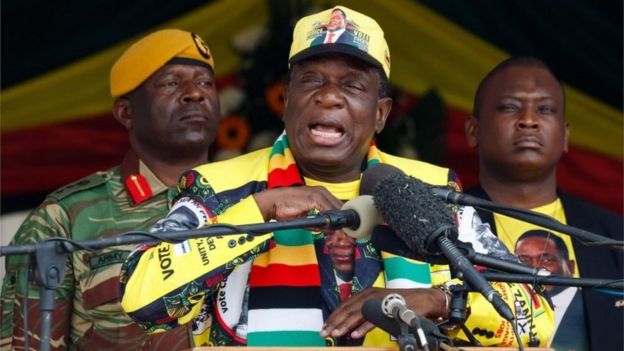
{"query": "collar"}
pixel 139 181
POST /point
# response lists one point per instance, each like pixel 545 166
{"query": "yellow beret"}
pixel 362 37
pixel 149 54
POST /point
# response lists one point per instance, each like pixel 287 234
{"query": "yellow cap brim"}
pixel 149 54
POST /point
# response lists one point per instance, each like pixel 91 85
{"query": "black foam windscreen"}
pixel 386 239
pixel 410 209
pixel 374 175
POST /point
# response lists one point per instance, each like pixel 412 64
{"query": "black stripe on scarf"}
pixel 285 297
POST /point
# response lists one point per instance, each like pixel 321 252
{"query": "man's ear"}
pixel 470 128
pixel 122 112
pixel 383 111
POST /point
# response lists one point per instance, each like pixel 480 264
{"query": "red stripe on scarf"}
pixel 284 275
pixel 284 177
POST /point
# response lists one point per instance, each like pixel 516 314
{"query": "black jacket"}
pixel 604 320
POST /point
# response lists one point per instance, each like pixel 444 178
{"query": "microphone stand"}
pixel 529 274
pixel 497 263
pixel 464 268
pixel 457 310
pixel 49 272
pixel 334 219
pixel 584 236
pixel 50 255
pixel 558 280
pixel 406 340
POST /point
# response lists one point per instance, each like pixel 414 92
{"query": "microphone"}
pixel 394 305
pixel 385 239
pixel 375 175
pixel 364 207
pixel 427 225
pixel 373 311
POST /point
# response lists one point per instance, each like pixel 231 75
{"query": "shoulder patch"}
pixel 87 182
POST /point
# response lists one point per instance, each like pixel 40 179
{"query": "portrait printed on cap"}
pixel 338 29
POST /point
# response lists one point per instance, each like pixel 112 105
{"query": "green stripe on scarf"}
pixel 279 146
pixel 293 237
pixel 400 268
pixel 286 338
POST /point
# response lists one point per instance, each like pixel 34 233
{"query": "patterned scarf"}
pixel 289 292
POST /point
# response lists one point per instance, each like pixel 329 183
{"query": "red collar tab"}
pixel 138 188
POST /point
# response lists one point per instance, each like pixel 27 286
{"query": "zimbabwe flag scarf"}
pixel 285 299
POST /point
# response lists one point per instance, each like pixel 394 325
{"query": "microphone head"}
pixel 376 174
pixel 390 302
pixel 372 312
pixel 410 209
pixel 369 217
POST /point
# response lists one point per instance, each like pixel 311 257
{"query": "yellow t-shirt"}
pixel 342 191
pixel 509 229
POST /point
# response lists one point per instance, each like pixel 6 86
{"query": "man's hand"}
pixel 294 202
pixel 425 302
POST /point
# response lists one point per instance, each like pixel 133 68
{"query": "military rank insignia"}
pixel 138 188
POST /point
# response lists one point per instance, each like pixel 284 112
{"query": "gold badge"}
pixel 201 46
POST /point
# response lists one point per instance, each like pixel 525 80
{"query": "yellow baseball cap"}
pixel 353 34
pixel 147 55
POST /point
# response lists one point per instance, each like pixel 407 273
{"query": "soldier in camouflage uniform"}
pixel 170 108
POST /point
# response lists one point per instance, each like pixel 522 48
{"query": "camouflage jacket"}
pixel 87 312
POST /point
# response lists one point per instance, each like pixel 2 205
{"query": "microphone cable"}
pixel 606 290
pixel 606 242
pixel 514 325
pixel 533 340
pixel 238 230
pixel 421 334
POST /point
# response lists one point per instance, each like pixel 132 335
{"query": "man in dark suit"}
pixel 520 131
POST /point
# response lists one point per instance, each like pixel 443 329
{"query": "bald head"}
pixel 519 126
pixel 514 61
